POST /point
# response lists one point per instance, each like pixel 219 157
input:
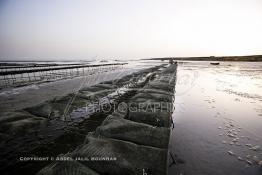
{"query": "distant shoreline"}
pixel 249 58
pixel 246 58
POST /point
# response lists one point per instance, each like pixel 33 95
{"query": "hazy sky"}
pixel 83 29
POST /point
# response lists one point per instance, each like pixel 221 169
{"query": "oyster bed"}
pixel 135 135
pixel 60 125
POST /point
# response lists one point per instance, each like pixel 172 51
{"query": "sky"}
pixel 128 29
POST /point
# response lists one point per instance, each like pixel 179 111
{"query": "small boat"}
pixel 214 63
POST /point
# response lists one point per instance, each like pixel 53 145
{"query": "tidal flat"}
pixel 218 119
pixel 206 119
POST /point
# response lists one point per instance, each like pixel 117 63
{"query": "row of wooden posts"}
pixel 18 76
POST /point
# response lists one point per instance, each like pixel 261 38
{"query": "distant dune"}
pixel 254 58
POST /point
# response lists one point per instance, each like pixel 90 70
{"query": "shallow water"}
pixel 218 119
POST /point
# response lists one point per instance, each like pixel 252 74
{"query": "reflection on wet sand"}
pixel 218 119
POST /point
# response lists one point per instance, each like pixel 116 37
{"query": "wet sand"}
pixel 217 119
